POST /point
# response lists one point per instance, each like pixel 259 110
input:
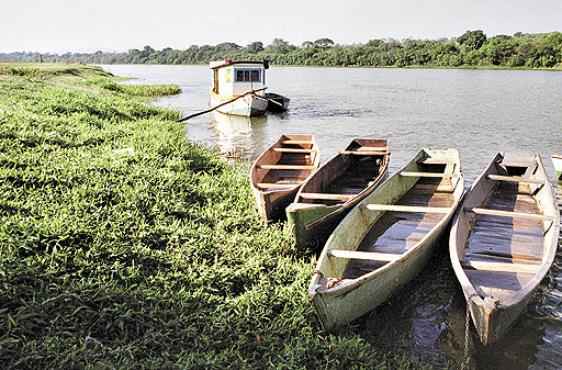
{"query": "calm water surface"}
pixel 477 112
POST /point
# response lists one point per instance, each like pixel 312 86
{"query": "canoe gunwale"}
pixel 412 251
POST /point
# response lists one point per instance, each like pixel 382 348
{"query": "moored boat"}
pixel 387 238
pixel 243 84
pixel 277 103
pixel 278 173
pixel 503 241
pixel 557 162
pixel 332 191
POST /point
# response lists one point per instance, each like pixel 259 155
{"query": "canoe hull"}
pixel 247 106
pixel 498 293
pixel 336 310
pixel 313 222
pixel 312 225
pixel 278 173
pixel 492 324
pixel 277 103
pixel 557 162
pixel 271 205
pixel 342 290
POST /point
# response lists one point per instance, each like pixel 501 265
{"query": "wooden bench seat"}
pixel 484 265
pixel 326 196
pixel 495 212
pixel 403 208
pixel 272 185
pixel 293 150
pixel 366 153
pixel 286 167
pixel 423 174
pixel 515 179
pixel 357 255
pixel 297 142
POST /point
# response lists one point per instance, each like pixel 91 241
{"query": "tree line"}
pixel 473 48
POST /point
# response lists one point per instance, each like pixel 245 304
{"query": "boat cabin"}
pixel 232 78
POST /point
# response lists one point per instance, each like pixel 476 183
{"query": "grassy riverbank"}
pixel 125 246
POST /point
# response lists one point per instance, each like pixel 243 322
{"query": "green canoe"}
pixel 335 188
pixel 387 238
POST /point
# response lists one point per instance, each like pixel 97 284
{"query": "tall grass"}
pixel 124 246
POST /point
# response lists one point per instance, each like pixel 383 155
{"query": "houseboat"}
pixel 242 83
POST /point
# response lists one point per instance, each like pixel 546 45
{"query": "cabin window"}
pixel 248 75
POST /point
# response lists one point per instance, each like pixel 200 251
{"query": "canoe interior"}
pixel 289 177
pixel 396 232
pixel 501 255
pixel 348 174
pixel 391 234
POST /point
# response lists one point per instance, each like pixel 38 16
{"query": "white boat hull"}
pixel 247 106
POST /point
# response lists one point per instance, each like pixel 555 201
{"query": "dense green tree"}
pixel 472 40
pixel 473 48
pixel 324 43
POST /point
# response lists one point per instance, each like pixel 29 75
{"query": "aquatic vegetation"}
pixel 122 245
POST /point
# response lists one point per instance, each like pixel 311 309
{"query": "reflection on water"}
pixel 235 136
pixel 478 112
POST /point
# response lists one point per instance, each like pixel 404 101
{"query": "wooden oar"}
pixel 220 105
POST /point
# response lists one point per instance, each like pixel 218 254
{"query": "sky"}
pixel 119 25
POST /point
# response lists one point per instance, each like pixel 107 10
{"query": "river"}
pixel 479 112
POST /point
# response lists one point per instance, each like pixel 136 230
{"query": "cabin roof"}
pixel 226 63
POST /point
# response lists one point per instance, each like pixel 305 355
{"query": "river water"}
pixel 478 112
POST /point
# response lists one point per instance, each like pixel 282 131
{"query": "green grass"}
pixel 125 246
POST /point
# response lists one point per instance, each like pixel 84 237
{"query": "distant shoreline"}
pixel 491 68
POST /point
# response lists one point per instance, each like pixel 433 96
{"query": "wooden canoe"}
pixel 332 191
pixel 557 162
pixel 387 238
pixel 278 173
pixel 503 241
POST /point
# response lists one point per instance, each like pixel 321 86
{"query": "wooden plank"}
pixel 500 266
pixel 515 179
pixel 373 149
pixel 296 142
pixel 423 174
pixel 354 152
pixel 495 212
pixel 357 255
pixel 268 185
pixel 326 196
pixel 402 208
pixel 293 150
pixel 286 167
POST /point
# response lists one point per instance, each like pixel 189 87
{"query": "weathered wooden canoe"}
pixel 387 238
pixel 503 241
pixel 557 162
pixel 278 173
pixel 332 191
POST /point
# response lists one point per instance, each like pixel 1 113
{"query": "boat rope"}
pixel 466 356
pixel 249 92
